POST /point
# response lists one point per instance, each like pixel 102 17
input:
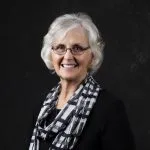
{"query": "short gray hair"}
pixel 64 23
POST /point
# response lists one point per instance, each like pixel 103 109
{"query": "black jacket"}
pixel 107 127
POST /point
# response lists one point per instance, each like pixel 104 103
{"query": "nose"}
pixel 68 54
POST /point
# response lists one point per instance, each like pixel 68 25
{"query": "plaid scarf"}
pixel 70 121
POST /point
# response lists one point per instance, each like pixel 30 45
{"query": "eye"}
pixel 60 47
pixel 77 48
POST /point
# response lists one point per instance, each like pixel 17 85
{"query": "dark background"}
pixel 25 80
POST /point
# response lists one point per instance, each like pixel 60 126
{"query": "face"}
pixel 69 66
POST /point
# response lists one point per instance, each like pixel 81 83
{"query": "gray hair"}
pixel 61 25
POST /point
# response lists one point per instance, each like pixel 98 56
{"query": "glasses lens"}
pixel 77 50
pixel 60 49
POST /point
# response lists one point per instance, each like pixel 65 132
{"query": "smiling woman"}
pixel 77 113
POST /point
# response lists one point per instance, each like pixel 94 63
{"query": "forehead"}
pixel 74 35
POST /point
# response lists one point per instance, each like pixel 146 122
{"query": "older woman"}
pixel 77 113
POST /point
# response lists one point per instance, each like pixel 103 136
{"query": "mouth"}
pixel 69 65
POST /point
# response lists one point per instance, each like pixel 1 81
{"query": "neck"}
pixel 68 88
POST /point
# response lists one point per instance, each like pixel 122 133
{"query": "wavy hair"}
pixel 61 25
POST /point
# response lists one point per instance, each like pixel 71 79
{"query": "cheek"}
pixel 56 60
pixel 53 61
pixel 89 65
pixel 88 60
pixel 86 64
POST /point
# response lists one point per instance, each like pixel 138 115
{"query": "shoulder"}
pixel 108 108
pixel 108 101
pixel 107 97
pixel 114 122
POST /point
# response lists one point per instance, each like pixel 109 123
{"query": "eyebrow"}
pixel 80 44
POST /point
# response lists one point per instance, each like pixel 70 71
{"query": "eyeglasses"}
pixel 75 49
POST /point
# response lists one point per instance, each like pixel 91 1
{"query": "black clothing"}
pixel 107 127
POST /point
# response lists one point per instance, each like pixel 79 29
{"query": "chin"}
pixel 74 78
pixel 71 76
pixel 68 78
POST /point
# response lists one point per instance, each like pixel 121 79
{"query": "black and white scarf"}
pixel 70 121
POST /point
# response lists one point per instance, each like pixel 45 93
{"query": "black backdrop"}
pixel 25 80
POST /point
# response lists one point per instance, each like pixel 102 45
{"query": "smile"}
pixel 69 65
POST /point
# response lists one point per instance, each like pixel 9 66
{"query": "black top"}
pixel 107 127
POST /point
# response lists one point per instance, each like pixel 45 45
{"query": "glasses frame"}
pixel 71 50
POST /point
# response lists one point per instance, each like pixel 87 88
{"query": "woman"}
pixel 77 113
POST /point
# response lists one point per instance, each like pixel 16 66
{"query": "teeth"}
pixel 68 65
